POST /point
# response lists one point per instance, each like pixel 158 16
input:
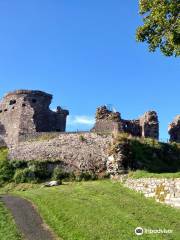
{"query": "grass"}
pixel 3 153
pixel 145 174
pixel 44 137
pixel 8 229
pixel 102 210
pixel 147 154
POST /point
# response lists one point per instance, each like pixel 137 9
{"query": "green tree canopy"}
pixel 161 28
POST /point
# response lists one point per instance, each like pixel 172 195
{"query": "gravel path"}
pixel 27 219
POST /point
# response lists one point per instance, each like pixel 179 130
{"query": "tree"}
pixel 161 27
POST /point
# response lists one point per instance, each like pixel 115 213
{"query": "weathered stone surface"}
pixel 75 152
pixel 149 124
pixel 107 121
pixel 104 113
pixel 174 130
pixel 27 112
pixel 145 126
pixel 118 162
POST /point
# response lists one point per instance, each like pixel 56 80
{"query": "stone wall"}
pixel 118 153
pixel 163 190
pixel 76 152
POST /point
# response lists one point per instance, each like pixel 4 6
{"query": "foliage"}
pixel 6 169
pixel 24 175
pixel 153 156
pixel 161 27
pixel 59 174
pixel 147 154
pixel 21 171
pixel 19 164
pixel 82 138
pixel 40 169
pixel 102 210
pixel 86 176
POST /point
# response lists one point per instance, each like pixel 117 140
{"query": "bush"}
pixel 146 154
pixel 59 174
pixel 82 138
pixel 6 169
pixel 40 169
pixel 86 176
pixel 72 176
pixel 19 164
pixel 24 176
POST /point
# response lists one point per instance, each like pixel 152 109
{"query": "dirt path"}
pixel 27 219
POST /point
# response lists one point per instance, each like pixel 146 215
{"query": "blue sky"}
pixel 86 55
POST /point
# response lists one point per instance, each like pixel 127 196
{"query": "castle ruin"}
pixel 109 121
pixel 25 113
pixel 174 130
pixel 28 112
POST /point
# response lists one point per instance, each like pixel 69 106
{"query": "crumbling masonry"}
pixel 174 130
pixel 145 126
pixel 27 112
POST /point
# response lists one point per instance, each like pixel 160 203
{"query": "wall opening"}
pixel 12 102
pixel 34 100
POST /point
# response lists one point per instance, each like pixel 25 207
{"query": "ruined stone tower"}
pixel 28 112
pixel 174 130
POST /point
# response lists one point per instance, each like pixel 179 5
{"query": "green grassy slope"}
pixel 102 210
pixel 147 154
pixel 8 229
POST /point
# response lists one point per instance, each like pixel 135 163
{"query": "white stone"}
pixel 52 184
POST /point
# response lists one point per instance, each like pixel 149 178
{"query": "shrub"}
pixel 6 169
pixel 82 138
pixel 24 176
pixel 40 169
pixel 86 176
pixel 146 154
pixel 19 164
pixel 72 176
pixel 59 174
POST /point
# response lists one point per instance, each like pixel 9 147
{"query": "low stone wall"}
pixel 80 151
pixel 163 190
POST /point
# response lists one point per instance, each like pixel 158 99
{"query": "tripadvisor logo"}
pixel 139 231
